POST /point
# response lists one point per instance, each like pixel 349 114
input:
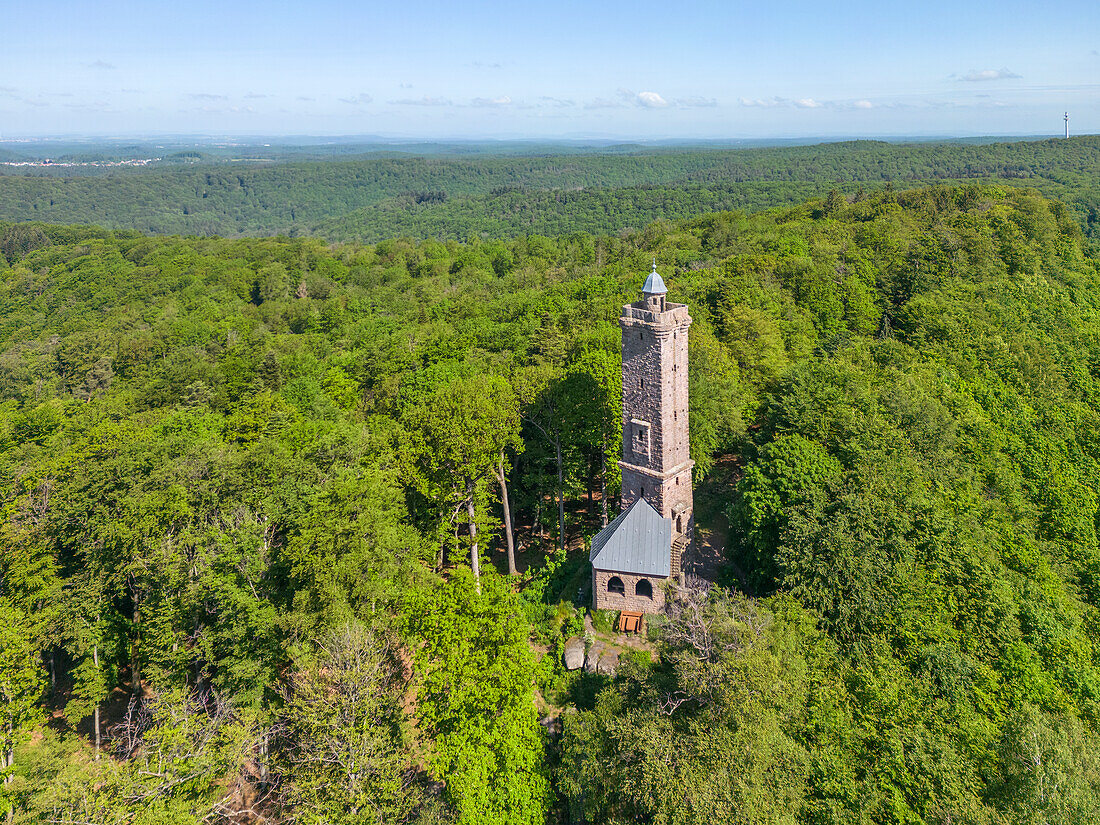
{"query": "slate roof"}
pixel 654 284
pixel 639 541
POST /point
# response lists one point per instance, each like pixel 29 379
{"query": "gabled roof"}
pixel 639 541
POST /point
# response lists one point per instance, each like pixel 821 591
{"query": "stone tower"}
pixel 656 465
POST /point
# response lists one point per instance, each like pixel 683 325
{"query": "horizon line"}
pixel 400 138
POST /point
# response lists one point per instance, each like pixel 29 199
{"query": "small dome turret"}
pixel 654 284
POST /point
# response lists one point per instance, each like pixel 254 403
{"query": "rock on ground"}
pixel 574 653
pixel 592 661
pixel 609 661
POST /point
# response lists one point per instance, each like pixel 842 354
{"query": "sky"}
pixel 476 69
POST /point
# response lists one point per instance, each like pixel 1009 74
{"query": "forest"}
pixel 454 193
pixel 256 563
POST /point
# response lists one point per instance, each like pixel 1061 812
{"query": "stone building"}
pixel 641 549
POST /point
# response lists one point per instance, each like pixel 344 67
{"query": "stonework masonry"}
pixel 656 461
pixel 656 464
pixel 630 599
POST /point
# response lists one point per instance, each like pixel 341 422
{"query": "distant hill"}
pixel 372 197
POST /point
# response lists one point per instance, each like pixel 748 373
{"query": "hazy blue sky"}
pixel 505 69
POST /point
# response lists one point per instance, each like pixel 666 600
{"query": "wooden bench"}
pixel 631 621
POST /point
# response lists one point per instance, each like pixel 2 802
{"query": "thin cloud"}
pixel 491 102
pixel 224 110
pixel 206 96
pixel 556 102
pixel 255 96
pixel 646 100
pixel 404 85
pixel 100 64
pixel 421 101
pixel 695 102
pixel 477 64
pixel 305 99
pixel 989 74
pixel 603 103
pixel 650 100
pixel 92 106
pixel 763 102
pixel 361 99
pixel 803 103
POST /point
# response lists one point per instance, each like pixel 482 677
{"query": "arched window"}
pixel 615 585
pixel 644 588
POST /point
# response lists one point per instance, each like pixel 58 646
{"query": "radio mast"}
pixel 1067 124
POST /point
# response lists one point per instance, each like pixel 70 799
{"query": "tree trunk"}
pixel 475 562
pixel 590 483
pixel 508 537
pixel 7 759
pixel 561 494
pixel 95 660
pixel 135 660
pixel 263 758
pixel 603 484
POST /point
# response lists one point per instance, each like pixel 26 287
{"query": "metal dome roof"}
pixel 654 284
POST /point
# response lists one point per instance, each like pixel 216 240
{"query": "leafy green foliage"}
pixel 342 745
pixel 543 191
pixel 920 479
pixel 215 453
pixel 703 737
pixel 20 689
pixel 476 700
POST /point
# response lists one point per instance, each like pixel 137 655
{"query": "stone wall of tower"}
pixel 656 462
pixel 629 599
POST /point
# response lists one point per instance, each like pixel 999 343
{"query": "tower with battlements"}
pixel 648 542
pixel 656 465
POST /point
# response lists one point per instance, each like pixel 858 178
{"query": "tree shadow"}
pixel 584 689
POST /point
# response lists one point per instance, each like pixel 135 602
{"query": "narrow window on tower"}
pixel 641 444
